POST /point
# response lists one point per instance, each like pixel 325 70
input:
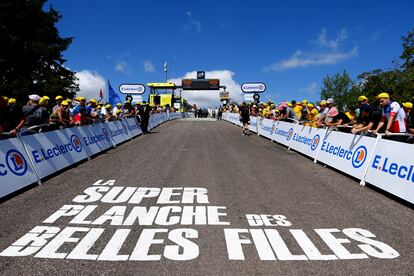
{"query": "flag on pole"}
pixel 113 97
pixel 165 67
pixel 100 96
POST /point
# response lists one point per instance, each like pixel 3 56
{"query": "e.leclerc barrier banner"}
pixel 52 151
pixel 16 171
pixel 55 150
pixel 388 164
pixel 392 169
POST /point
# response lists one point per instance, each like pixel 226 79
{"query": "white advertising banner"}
pixel 16 171
pixel 253 124
pixel 133 126
pixel 95 138
pixel 281 132
pixel 307 140
pixel 151 122
pixel 346 152
pixel 233 118
pixel 118 131
pixel 265 128
pixel 55 150
pixel 392 169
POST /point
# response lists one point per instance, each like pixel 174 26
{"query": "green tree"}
pixel 399 84
pixel 31 59
pixel 341 88
pixel 408 51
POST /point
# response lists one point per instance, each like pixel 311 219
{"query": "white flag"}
pixel 165 67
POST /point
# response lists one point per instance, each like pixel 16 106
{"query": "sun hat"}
pixel 333 112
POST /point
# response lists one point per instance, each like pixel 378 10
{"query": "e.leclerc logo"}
pixel 106 134
pixel 15 162
pixel 273 129
pixel 290 134
pixel 125 128
pixel 357 156
pixel 315 142
pixel 76 143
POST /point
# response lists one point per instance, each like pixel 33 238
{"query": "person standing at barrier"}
pixel 393 114
pixel 245 118
pixel 144 113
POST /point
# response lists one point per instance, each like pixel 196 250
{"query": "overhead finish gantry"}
pixel 164 93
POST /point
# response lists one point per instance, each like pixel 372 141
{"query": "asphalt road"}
pixel 325 223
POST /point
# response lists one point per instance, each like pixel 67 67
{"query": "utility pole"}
pixel 166 71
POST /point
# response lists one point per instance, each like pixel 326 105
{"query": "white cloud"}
pixel 123 68
pixel 333 44
pixel 210 97
pixel 327 54
pixel 192 24
pixel 149 66
pixel 310 89
pixel 90 83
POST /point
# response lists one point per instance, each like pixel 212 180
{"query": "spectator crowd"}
pixel 45 114
pixel 386 116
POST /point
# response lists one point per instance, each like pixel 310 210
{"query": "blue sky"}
pixel 289 46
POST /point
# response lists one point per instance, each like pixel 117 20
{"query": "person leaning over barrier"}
pixel 392 112
pixel 108 115
pixel 410 119
pixel 312 118
pixel 58 101
pixel 406 106
pixel 61 116
pixel 35 113
pixel 245 118
pixel 352 115
pixel 368 119
pixel 12 118
pixel 338 118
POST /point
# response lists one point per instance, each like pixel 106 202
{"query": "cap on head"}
pixel 65 103
pixel 362 98
pixel 118 104
pixel 323 102
pixel 383 95
pixel 310 105
pixel 406 105
pixel 12 101
pixel 330 101
pixel 58 98
pixel 34 97
pixel 108 106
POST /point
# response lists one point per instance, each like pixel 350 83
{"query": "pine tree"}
pixel 31 59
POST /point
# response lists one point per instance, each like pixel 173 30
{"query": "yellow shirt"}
pixel 298 110
pixel 313 114
pixel 352 118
